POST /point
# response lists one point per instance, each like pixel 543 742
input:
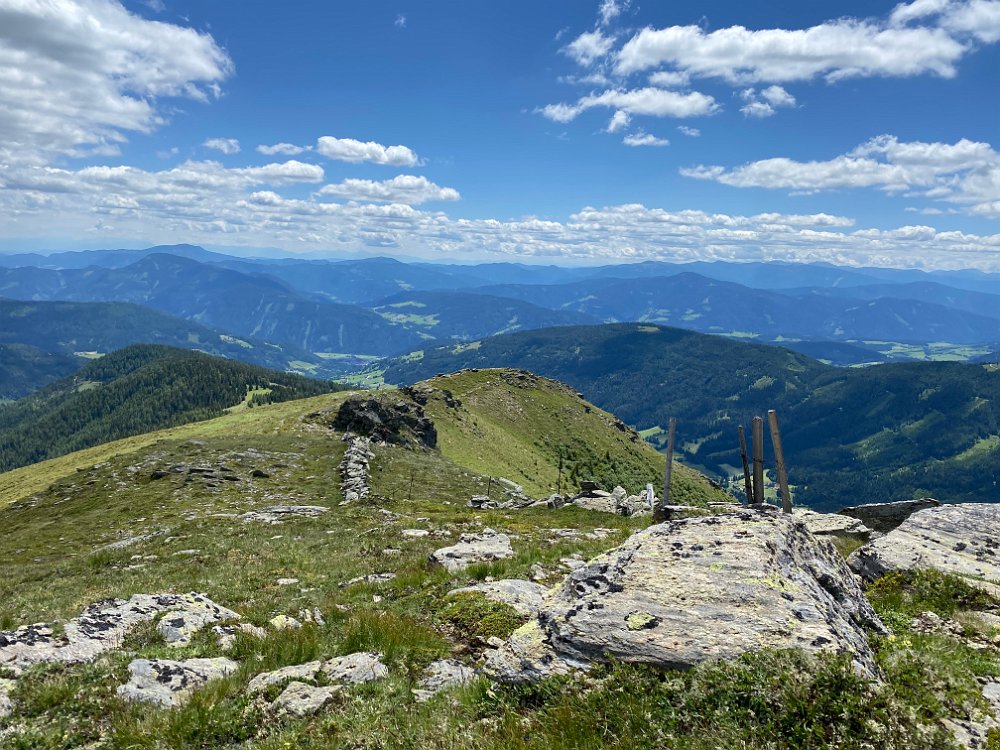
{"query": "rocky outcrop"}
pixel 884 517
pixel 441 675
pixel 474 548
pixel 524 597
pixel 278 513
pixel 833 525
pixel 960 539
pixel 683 592
pixel 354 468
pixel 384 419
pixel 168 683
pixel 104 625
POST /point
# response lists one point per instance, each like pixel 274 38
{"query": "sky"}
pixel 569 131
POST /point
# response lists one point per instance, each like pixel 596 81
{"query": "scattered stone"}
pixel 101 627
pixel 264 680
pixel 374 578
pixel 355 669
pixel 278 513
pixel 441 675
pixel 126 542
pixel 525 597
pixel 314 615
pixel 287 581
pixel 958 539
pixel 170 683
pixel 474 548
pixel 680 593
pixel 284 622
pixel 415 533
pixel 884 517
pixel 227 633
pixel 300 699
pixel 931 622
pixel 973 734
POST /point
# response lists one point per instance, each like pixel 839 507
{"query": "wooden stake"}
pixel 489 487
pixel 660 513
pixel 747 482
pixel 758 460
pixel 779 459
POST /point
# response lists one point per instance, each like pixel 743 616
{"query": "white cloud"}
pixel 689 132
pixel 350 150
pixel 284 149
pixel 766 102
pixel 977 18
pixel 965 173
pixel 400 22
pixel 644 139
pixel 619 121
pixel 408 189
pixel 588 47
pixel 647 101
pixel 78 75
pixel 609 10
pixel 225 145
pixel 668 79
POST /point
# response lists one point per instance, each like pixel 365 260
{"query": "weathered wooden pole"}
pixel 747 482
pixel 779 460
pixel 758 460
pixel 660 512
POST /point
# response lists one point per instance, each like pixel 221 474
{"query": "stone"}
pixel 355 669
pixel 104 625
pixel 959 539
pixel 169 684
pixel 354 469
pixel 525 597
pixel 227 633
pixel 833 524
pixel 441 675
pixel 633 505
pixel 300 699
pixel 287 581
pixel 415 533
pixel 6 704
pixel 603 503
pixel 474 548
pixel 372 578
pixel 278 513
pixel 683 592
pixel 284 622
pixel 264 680
pixel 385 419
pixel 177 628
pixel 884 517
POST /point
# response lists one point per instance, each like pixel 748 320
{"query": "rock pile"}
pixel 386 420
pixel 683 592
pixel 354 468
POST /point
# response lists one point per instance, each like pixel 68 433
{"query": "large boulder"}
pixel 833 525
pixel 960 539
pixel 683 592
pixel 884 517
pixel 169 684
pixel 485 546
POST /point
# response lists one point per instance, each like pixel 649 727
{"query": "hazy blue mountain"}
pixel 105 258
pixel 977 303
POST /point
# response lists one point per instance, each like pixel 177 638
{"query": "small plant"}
pixel 905 594
pixel 473 615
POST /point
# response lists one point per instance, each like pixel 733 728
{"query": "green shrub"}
pixel 473 615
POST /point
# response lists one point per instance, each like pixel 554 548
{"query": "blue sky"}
pixel 558 132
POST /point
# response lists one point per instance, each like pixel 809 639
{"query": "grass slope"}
pixel 850 435
pixel 186 537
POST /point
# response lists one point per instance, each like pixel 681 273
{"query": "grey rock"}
pixel 354 468
pixel 374 578
pixel 300 699
pixel 385 419
pixel 603 503
pixel 474 548
pixel 278 513
pixel 633 505
pixel 833 524
pixel 959 539
pixel 284 622
pixel 683 592
pixel 441 675
pixel 6 704
pixel 264 680
pixel 103 626
pixel 169 684
pixel 884 517
pixel 356 668
pixel 525 597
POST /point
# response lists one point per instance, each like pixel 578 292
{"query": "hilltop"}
pixel 881 433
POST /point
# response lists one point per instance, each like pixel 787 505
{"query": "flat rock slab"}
pixel 353 669
pixel 474 548
pixel 278 513
pixel 683 592
pixel 169 684
pixel 884 517
pixel 960 539
pixel 263 681
pixel 832 524
pixel 441 675
pixel 300 699
pixel 103 626
pixel 525 597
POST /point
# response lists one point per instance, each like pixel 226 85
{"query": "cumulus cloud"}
pixel 668 79
pixel 965 173
pixel 766 102
pixel 284 149
pixel 644 139
pixel 619 121
pixel 408 189
pixel 225 145
pixel 689 131
pixel 77 75
pixel 647 101
pixel 350 150
pixel 588 47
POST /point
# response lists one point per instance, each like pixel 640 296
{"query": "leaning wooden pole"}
pixel 758 460
pixel 660 514
pixel 747 482
pixel 779 460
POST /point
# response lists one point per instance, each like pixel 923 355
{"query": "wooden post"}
pixel 409 494
pixel 489 487
pixel 559 479
pixel 660 513
pixel 758 460
pixel 779 460
pixel 747 482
